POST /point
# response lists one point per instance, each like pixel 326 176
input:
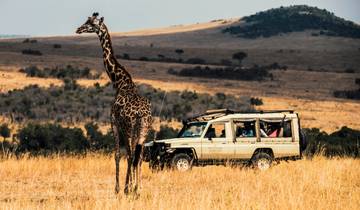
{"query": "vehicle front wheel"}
pixel 262 161
pixel 181 162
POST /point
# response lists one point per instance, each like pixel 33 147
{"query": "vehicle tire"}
pixel 261 161
pixel 181 162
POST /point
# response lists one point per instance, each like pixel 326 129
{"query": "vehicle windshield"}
pixel 192 130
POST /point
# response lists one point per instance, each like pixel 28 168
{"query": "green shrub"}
pixel 293 19
pixel 256 101
pixel 57 46
pixel 48 138
pixel 31 52
pixel 344 142
pixel 232 73
pixel 167 132
pixel 98 141
pixel 348 94
pixel 240 56
pixel 72 103
pixel 59 72
pixel 5 131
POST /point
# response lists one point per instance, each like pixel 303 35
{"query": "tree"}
pixel 179 52
pixel 240 56
pixel 4 131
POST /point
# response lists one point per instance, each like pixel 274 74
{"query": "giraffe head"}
pixel 92 24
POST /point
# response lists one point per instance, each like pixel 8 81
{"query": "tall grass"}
pixel 66 182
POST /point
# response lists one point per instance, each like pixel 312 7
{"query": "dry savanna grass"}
pixel 88 183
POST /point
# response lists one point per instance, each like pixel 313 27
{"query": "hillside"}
pixel 316 67
pixel 294 19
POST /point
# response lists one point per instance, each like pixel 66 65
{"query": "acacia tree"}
pixel 179 52
pixel 240 56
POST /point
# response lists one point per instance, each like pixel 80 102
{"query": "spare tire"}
pixel 303 141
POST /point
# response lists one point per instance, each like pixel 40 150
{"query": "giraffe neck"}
pixel 117 73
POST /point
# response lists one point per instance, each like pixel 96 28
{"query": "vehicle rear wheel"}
pixel 181 162
pixel 262 161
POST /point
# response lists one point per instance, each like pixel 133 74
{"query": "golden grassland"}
pixel 66 182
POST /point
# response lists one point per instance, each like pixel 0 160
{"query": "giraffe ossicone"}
pixel 130 113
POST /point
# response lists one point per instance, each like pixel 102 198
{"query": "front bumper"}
pixel 154 151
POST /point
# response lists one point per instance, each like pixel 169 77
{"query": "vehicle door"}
pixel 245 137
pixel 279 134
pixel 216 142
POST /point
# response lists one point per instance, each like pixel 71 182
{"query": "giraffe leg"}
pixel 117 156
pixel 136 162
pixel 128 179
pixel 144 128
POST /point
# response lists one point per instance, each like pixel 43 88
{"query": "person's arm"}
pixel 263 133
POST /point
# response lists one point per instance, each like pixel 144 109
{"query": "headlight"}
pixel 149 144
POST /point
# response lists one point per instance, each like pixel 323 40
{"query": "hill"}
pixel 317 66
pixel 294 19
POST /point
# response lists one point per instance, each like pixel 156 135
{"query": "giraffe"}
pixel 130 113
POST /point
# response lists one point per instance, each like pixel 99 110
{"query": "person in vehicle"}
pixel 273 130
pixel 210 132
pixel 247 131
pixel 222 134
pixel 262 131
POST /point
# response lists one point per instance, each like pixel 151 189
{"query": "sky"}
pixel 62 17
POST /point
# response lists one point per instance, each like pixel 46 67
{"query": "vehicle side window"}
pixel 275 129
pixel 216 130
pixel 244 129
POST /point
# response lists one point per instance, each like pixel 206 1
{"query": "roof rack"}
pixel 216 113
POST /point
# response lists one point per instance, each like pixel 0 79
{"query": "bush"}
pixel 144 58
pixel 126 56
pixel 225 62
pixel 357 81
pixel 239 56
pixel 60 72
pixel 256 101
pixel 348 94
pixel 27 40
pixel 179 51
pixel 292 19
pixel 195 61
pixel 72 103
pixel 344 142
pixel 166 132
pixel 48 138
pixel 349 70
pixel 98 141
pixel 4 131
pixel 31 52
pixel 57 46
pixel 254 73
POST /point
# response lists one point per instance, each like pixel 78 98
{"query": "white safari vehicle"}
pixel 221 136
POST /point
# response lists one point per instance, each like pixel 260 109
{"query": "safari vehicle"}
pixel 220 136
